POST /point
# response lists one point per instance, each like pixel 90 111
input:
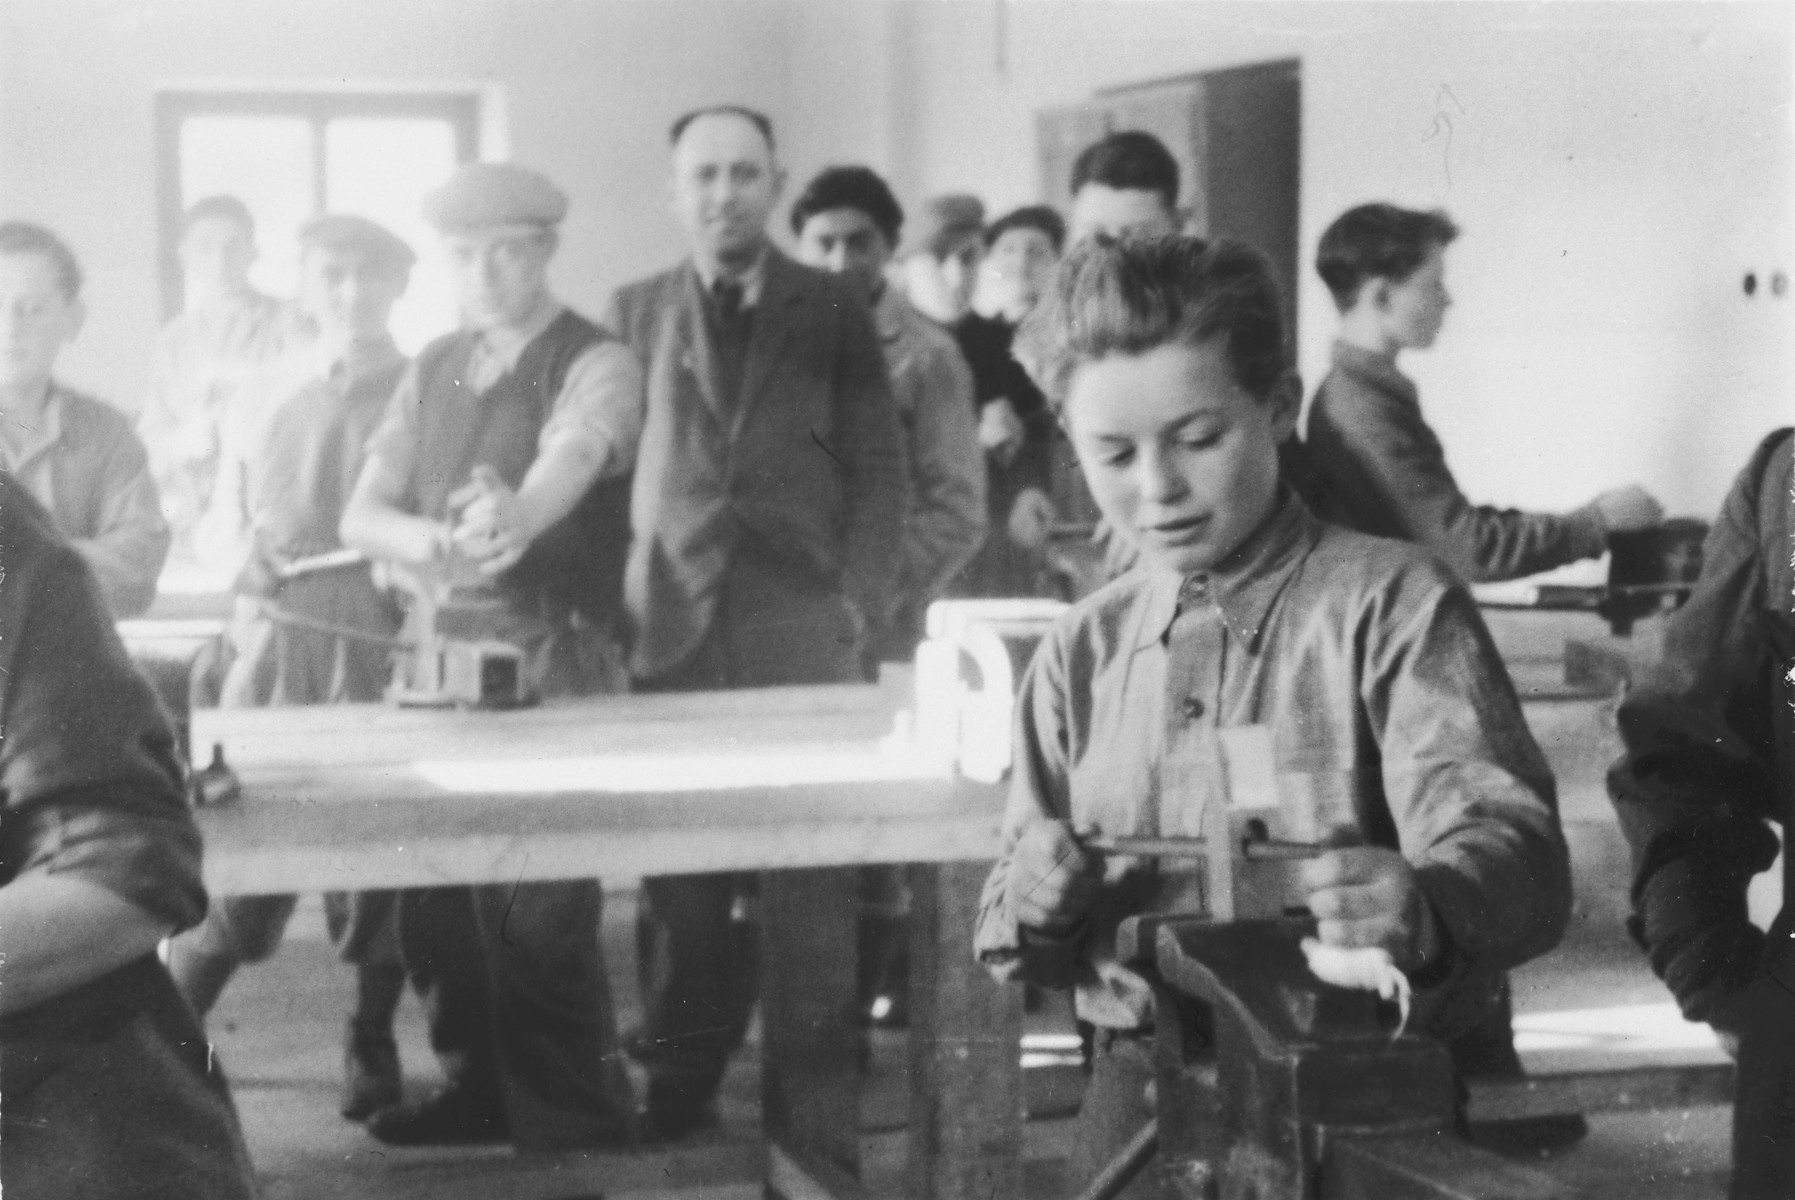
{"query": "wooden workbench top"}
pixel 371 796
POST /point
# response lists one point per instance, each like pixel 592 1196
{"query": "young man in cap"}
pixel 1016 430
pixel 226 332
pixel 1125 183
pixel 497 475
pixel 77 455
pixel 768 517
pixel 848 223
pixel 310 633
pixel 940 260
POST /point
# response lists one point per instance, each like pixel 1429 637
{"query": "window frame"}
pixel 174 106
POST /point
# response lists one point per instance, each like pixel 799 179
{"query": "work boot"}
pixel 454 1116
pixel 370 1074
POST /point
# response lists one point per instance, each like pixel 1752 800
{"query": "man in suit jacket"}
pixel 767 515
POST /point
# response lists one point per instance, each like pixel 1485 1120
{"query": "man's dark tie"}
pixel 729 295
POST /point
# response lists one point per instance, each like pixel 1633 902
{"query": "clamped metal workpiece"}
pixel 1271 1085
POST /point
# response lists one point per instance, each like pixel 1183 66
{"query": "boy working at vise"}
pixel 1365 660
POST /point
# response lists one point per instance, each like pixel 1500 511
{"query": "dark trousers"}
pixel 1764 1100
pixel 695 937
pixel 519 1006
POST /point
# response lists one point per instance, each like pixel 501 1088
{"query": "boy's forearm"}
pixel 554 484
pixel 58 932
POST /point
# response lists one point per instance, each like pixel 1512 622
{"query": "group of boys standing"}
pixel 750 473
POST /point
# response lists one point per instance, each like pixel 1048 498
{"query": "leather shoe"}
pixel 370 1076
pixel 453 1116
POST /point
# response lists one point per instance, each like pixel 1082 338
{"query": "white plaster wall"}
pixel 1617 168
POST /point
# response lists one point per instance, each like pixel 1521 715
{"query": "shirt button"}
pixel 1191 707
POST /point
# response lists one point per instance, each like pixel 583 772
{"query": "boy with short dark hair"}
pixel 848 223
pixel 1125 183
pixel 76 455
pixel 1378 467
pixel 1387 705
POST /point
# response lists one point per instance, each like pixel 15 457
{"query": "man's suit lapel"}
pixel 774 321
pixel 695 336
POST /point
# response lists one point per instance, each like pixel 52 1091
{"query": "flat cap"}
pixel 482 194
pixel 345 232
pixel 943 223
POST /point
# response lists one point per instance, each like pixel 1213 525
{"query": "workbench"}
pixel 804 784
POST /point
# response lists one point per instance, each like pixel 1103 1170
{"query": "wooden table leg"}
pixel 965 1049
pixel 810 1071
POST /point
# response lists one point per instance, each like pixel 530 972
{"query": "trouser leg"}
pixel 1114 1110
pixel 440 940
pixel 884 943
pixel 236 930
pixel 554 1029
pixel 699 981
pixel 1764 1097
pixel 364 927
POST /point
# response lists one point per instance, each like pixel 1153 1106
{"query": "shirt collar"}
pixel 500 348
pixel 753 280
pixel 31 441
pixel 891 314
pixel 1246 583
pixel 1357 360
pixel 361 358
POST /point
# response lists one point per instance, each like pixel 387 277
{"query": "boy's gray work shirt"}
pixel 1381 470
pixel 1390 713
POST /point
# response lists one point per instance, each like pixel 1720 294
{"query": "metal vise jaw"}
pixel 1271 1085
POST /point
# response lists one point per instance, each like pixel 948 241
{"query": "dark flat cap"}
pixel 342 231
pixel 482 194
pixel 943 223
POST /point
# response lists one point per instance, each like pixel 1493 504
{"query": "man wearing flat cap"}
pixel 311 628
pixel 940 257
pixel 499 475
pixel 768 521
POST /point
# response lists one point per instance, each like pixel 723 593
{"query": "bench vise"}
pixel 437 669
pixel 1271 1085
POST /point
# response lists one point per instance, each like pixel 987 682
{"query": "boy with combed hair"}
pixel 1381 469
pixel 1388 708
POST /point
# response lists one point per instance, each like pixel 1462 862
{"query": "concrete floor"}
pixel 277 1031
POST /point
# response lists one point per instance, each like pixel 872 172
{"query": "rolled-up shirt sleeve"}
pixel 599 410
pixel 92 787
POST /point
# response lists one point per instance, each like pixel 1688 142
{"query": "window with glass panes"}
pixel 293 155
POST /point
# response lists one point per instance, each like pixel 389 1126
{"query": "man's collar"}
pixel 1360 361
pixel 505 344
pixel 891 312
pixel 753 279
pixel 1246 583
pixel 362 356
pixel 43 431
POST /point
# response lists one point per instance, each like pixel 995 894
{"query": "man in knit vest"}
pixel 499 472
pixel 768 525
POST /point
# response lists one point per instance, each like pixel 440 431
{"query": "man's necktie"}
pixel 728 294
